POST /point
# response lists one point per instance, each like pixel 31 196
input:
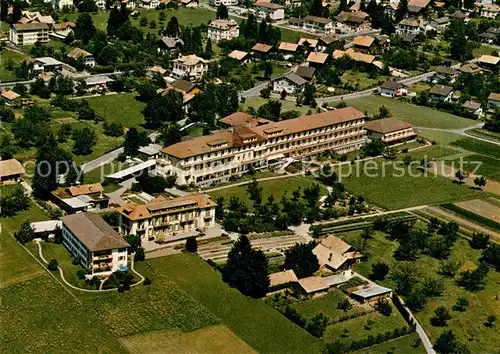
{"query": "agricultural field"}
pixel 467 326
pixel 7 59
pixel 485 134
pixel 362 80
pixel 409 344
pixel 416 115
pixel 478 146
pixel 489 167
pixel 483 208
pixel 112 108
pixel 277 187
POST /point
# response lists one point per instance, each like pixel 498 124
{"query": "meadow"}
pixel 7 58
pixel 121 108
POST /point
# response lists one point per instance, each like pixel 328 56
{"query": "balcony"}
pixel 102 257
pixel 101 269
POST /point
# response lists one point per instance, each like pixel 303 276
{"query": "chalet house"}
pixel 94 244
pixel 470 68
pixel 170 45
pixel 291 83
pixel 288 48
pixel 186 87
pixel 63 29
pixel 316 59
pixel 29 33
pixel 189 67
pixel 392 89
pixel 190 3
pixel 390 131
pixel 358 21
pixel 281 280
pixel 316 24
pixel 149 4
pixel 10 97
pixel 408 26
pixel 444 75
pixel 364 43
pixel 85 197
pixel 473 108
pixel 390 9
pixel 274 12
pixel 490 35
pixel 47 65
pixel 335 254
pixel 240 56
pixel 441 93
pixel 488 61
pixel 459 15
pixel 306 72
pixel 176 218
pixel 408 38
pixel 80 54
pixel 308 43
pixel 417 8
pixel 262 49
pixel 325 41
pixel 439 24
pixel 10 171
pixel 223 2
pixel 219 30
pixel 494 99
pixel 356 56
pixel 489 11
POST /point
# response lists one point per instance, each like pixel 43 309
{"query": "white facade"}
pixel 59 4
pixel 189 66
pixel 219 30
pixel 291 88
pixel 393 137
pixel 408 27
pixel 318 25
pixel 149 4
pixel 489 11
pixel 274 11
pixel 101 4
pixel 29 34
pixel 223 2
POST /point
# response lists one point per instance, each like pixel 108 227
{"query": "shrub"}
pixel 139 255
pixel 147 281
pixel 344 304
pixel 317 325
pixel 81 274
pixel 191 244
pixel 384 307
pixel 461 304
pixel 53 265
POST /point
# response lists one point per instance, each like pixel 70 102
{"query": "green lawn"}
pixel 416 115
pixel 357 329
pixel 440 137
pixel 478 146
pixel 258 324
pixel 485 134
pixel 256 102
pixel 276 187
pixel 7 57
pixel 361 80
pixel 482 50
pixel 401 345
pixel 326 304
pixel 121 108
pixel 432 152
pixel 489 168
pixel 393 189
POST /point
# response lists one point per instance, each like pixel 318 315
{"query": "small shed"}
pixel 372 293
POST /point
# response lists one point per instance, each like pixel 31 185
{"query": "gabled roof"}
pixel 284 277
pixel 445 70
pixel 10 95
pixel 237 54
pixel 329 39
pixel 305 72
pixel 336 244
pixel 288 47
pixel 363 41
pixel 293 77
pixel 34 26
pixel 494 97
pixel 261 47
pixel 313 284
pixel 171 42
pixel 85 189
pixel 316 57
pixel 10 168
pixel 387 125
pixel 311 42
pixel 392 85
pixel 470 68
pixel 48 61
pixel 183 85
pixel 489 59
pixel 76 53
pixel 93 232
pixel 268 5
pixel 441 90
pixel 317 19
pixel 190 60
pixel 471 105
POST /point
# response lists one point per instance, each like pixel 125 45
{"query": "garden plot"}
pixel 482 208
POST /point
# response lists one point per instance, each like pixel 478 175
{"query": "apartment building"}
pixel 318 25
pixel 94 244
pixel 260 144
pixel 390 131
pixel 80 54
pixel 219 30
pixel 274 12
pixel 176 218
pixel 223 2
pixel 29 33
pixel 189 67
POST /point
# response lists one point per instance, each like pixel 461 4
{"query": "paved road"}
pixel 102 160
pixel 75 77
pixel 463 132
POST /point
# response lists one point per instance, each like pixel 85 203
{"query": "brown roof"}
pixel 30 26
pixel 329 39
pixel 471 105
pixel 183 85
pixel 10 95
pixel 354 55
pixel 441 90
pixel 312 42
pixel 387 125
pixel 336 244
pixel 392 85
pixel 10 167
pixel 489 59
pixel 316 57
pixel 227 139
pixel 134 211
pixel 363 41
pixel 242 118
pixel 263 48
pixel 237 54
pixel 317 19
pixel 470 68
pixel 85 189
pixel 289 47
pixel 93 232
pixel 494 96
pixel 64 25
pixel 313 284
pixel 419 3
pixel 269 5
pixel 76 53
pixel 284 277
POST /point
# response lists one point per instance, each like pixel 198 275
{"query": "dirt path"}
pixel 449 172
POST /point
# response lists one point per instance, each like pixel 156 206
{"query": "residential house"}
pixel 444 75
pixel 364 43
pixel 356 56
pixel 305 72
pixel 223 2
pixel 149 4
pixel 470 68
pixel 63 29
pixel 473 108
pixel 190 3
pixel 156 69
pixel 408 26
pixel 97 83
pixel 441 93
pixel 240 56
pixel 262 49
pixel 316 59
pixel 29 33
pixel 335 254
pixel 269 10
pixel 170 45
pixel 36 17
pixel 288 49
pixel 80 54
pixel 371 293
pixel 10 97
pixel 308 43
pixel 358 21
pixel 439 24
pixel 94 244
pixel 314 286
pixel 325 41
pixel 46 229
pixel 417 8
pixel 189 67
pixel 219 30
pixel 408 38
pixel 318 25
pixel 459 15
pixel 494 99
pixel 290 83
pixel 161 218
pixel 60 4
pixel 186 87
pixel 390 9
pixel 390 131
pixel 10 171
pixel 488 61
pixel 85 197
pixel 393 88
pixel 489 11
pixel 281 280
pixel 260 144
pixel 490 35
pixel 47 65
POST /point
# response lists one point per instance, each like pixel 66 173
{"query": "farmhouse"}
pixel 182 217
pixel 290 83
pixel 408 26
pixel 390 131
pixel 83 55
pixel 189 67
pixel 270 10
pixel 335 254
pixel 260 144
pixel 94 244
pixel 219 30
pixel 282 279
pixel 10 170
pixel 85 197
pixel 29 33
pixel 358 21
pixel 392 89
pixel 314 286
pixel 441 93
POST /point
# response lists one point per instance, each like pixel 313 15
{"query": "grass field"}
pixel 121 108
pixel 482 50
pixel 255 322
pixel 489 168
pixel 401 345
pixel 485 134
pixel 214 339
pixel 277 187
pixel 416 115
pixel 256 102
pixel 393 189
pixel 478 146
pixel 6 57
pixel 440 137
pixel 361 80
pixel 468 325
